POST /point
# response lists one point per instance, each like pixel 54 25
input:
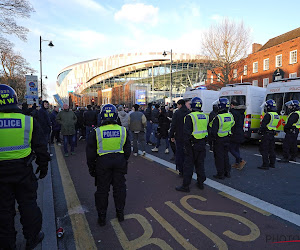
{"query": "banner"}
pixel 140 97
pixel 32 89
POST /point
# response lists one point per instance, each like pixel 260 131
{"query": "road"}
pixel 253 209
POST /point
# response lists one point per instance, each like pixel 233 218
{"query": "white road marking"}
pixel 295 162
pixel 277 211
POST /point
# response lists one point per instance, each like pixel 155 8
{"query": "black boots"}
pixel 32 243
pixel 182 189
pixel 102 219
pixel 120 215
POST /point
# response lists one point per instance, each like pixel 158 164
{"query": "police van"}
pixel 251 98
pixel 207 97
pixel 282 91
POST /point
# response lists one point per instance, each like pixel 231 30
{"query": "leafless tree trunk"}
pixel 225 45
pixel 9 11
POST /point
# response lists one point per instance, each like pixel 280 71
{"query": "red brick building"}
pixel 276 59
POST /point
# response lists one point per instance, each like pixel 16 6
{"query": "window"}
pixel 278 61
pixel 212 79
pixel 278 98
pixel 218 77
pixel 265 82
pixel 266 64
pixel 293 56
pixel 293 75
pixel 245 70
pixel 240 99
pixel 255 67
pixel 255 82
pixel 235 73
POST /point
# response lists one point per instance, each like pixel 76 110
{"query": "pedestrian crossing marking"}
pixel 263 212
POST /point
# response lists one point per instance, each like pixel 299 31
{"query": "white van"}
pixel 207 97
pixel 250 96
pixel 281 92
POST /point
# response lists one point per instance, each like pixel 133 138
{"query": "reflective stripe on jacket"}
pixel 200 122
pixel 297 124
pixel 272 125
pixel 110 139
pixel 16 134
pixel 226 122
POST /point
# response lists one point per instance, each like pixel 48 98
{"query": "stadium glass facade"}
pixel 130 78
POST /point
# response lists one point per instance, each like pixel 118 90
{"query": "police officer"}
pixel 220 132
pixel 20 137
pixel 291 130
pixel 108 150
pixel 195 134
pixel 267 130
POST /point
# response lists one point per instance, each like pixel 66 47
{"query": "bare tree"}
pixel 13 67
pixel 226 45
pixel 9 11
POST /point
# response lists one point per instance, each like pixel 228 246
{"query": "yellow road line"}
pixel 172 170
pixel 246 204
pixel 82 233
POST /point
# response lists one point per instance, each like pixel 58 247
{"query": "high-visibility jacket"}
pixel 226 122
pixel 15 136
pixel 297 124
pixel 200 122
pixel 272 125
pixel 110 139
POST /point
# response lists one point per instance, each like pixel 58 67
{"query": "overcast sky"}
pixel 89 29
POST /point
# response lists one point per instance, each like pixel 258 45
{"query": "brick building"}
pixel 276 59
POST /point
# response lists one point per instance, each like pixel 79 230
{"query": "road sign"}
pixel 32 89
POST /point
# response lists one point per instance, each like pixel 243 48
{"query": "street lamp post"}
pixel 41 73
pixel 171 79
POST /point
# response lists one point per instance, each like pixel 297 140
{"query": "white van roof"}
pixel 284 86
pixel 240 89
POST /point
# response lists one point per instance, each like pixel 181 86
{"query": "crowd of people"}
pixel 110 133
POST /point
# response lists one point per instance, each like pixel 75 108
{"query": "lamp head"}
pixel 51 44
pixel 164 54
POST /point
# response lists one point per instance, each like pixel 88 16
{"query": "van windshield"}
pixel 240 99
pixel 278 98
pixel 291 96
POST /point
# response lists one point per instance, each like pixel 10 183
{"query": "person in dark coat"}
pixel 147 113
pixel 55 126
pixel 89 120
pixel 25 109
pixel 162 130
pixel 172 144
pixel 44 119
pixel 212 115
pixel 17 179
pixel 237 136
pixel 33 111
pixel 81 126
pixel 154 121
pixel 176 132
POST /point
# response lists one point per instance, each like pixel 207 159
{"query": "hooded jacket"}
pixel 44 119
pixel 238 129
pixel 123 116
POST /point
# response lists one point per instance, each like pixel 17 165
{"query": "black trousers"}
pixel 110 170
pixel 289 146
pixel 267 150
pixel 221 149
pixel 179 155
pixel 194 158
pixel 18 183
pixel 55 134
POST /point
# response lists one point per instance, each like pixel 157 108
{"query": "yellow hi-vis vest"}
pixel 15 136
pixel 110 139
pixel 297 124
pixel 274 121
pixel 200 122
pixel 226 122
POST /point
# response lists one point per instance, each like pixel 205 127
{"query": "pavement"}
pixel 254 209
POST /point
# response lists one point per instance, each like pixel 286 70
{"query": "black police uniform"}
pixel 220 149
pixel 195 154
pixel 18 182
pixel 109 169
pixel 267 144
pixel 290 140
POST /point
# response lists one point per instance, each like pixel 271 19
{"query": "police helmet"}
pixel 270 105
pixel 223 104
pixel 109 113
pixel 8 98
pixel 196 103
pixel 292 105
